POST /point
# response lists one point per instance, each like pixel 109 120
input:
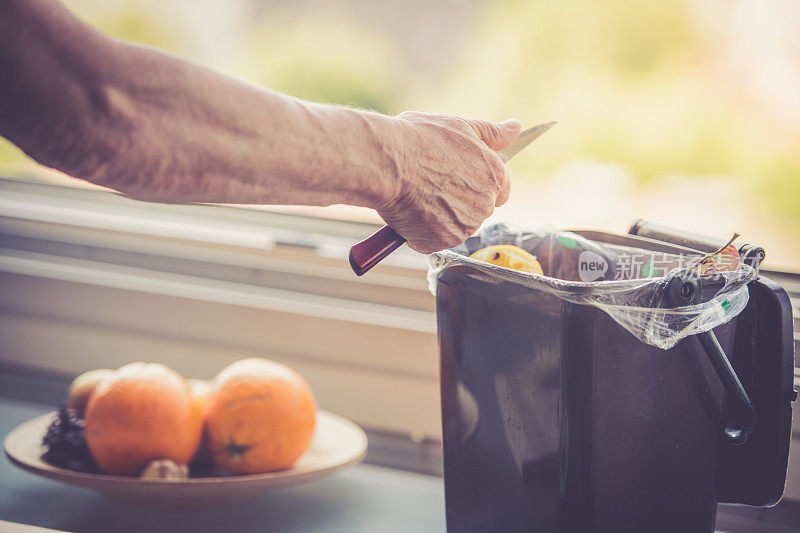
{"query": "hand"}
pixel 450 178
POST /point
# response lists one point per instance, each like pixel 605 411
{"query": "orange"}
pixel 81 388
pixel 140 413
pixel 260 417
pixel 201 390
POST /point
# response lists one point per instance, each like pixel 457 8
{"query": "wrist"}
pixel 386 146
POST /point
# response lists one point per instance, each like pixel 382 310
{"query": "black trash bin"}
pixel 559 418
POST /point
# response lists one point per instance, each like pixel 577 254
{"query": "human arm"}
pixel 159 128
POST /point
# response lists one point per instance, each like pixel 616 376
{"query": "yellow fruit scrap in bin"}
pixel 509 256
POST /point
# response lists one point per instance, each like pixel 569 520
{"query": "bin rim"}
pixel 636 304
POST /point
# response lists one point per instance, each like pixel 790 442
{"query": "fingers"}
pixel 505 189
pixel 496 135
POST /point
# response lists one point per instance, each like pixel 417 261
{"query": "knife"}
pixel 372 250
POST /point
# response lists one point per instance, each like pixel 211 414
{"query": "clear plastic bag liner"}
pixel 630 288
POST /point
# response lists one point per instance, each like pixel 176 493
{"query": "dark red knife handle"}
pixel 372 250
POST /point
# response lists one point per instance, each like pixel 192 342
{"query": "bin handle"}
pixel 733 386
pixel 682 287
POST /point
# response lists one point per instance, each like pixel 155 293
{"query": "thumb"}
pixel 496 135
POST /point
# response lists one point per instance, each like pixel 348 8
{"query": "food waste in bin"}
pixel 626 282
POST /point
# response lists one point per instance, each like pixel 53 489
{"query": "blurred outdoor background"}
pixel 681 112
pixel 685 112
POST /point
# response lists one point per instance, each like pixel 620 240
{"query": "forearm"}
pixel 191 134
pixel 159 128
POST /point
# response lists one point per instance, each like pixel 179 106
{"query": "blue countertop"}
pixel 362 498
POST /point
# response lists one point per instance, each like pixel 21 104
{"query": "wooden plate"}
pixel 337 443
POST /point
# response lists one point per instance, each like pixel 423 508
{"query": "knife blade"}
pixel 523 140
pixel 366 254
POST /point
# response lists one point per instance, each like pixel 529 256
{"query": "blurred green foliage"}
pixel 620 77
pixel 323 57
pixel 128 21
pixel 131 22
pixel 10 156
pixel 628 82
pixel 779 188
